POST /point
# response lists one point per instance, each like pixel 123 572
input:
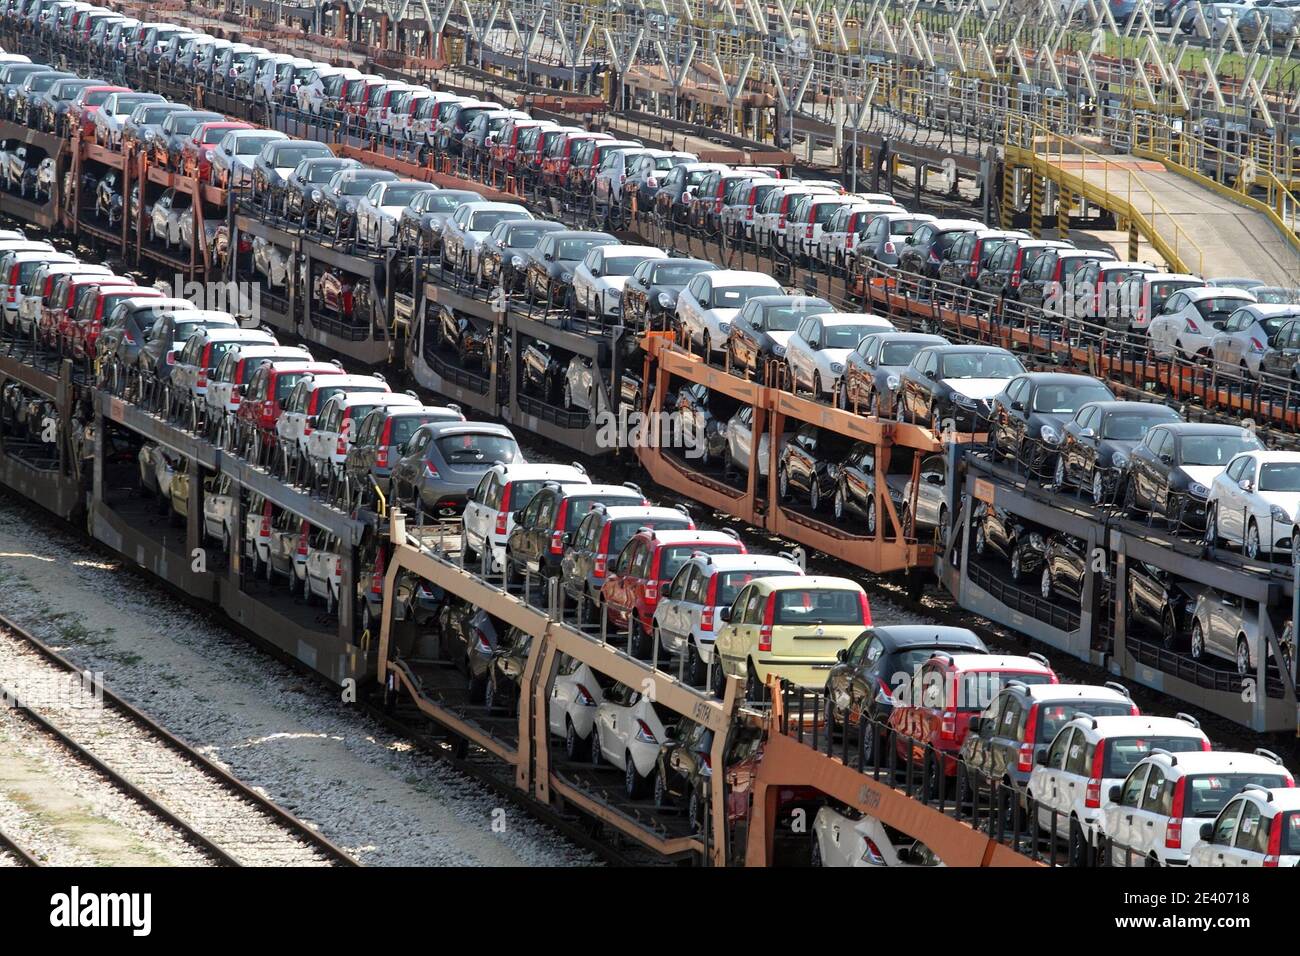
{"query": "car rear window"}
pixel 1207 793
pixel 978 689
pixel 809 606
pixel 579 505
pixel 672 557
pixel 1052 717
pixel 285 381
pixel 472 448
pixel 621 531
pixel 730 582
pixel 1125 753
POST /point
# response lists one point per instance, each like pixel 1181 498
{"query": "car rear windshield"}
pixel 285 381
pixel 1283 476
pixel 672 557
pixel 621 531
pixel 730 582
pixel 472 448
pixel 1217 309
pixel 846 336
pixel 579 505
pixel 214 134
pixel 321 173
pixel 672 273
pixel 404 426
pixel 357 186
pixel 810 606
pixel 249 145
pixel 900 353
pixel 1207 793
pixel 1125 753
pixel 1052 717
pixel 293 155
pixel 733 297
pixel 822 212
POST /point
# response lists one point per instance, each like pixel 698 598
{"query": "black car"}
pixel 126 329
pixel 506 671
pixel 1010 261
pixel 925 249
pixel 501 258
pixel 168 337
pixel 549 265
pixel 468 637
pixel 954 383
pixel 419 227
pixel 541 373
pixel 707 433
pixel 1065 568
pixel 872 370
pixel 1029 415
pixel 1160 602
pixel 1100 438
pixel 864 681
pixel 169 143
pixel 759 331
pixel 1170 472
pixel 855 486
pixel 1001 531
pixel 809 463
pixel 649 297
pixel 27 105
pixel 336 208
pixel 544 528
pixel 381 436
pixel 304 184
pixel 970 254
pixel 685 772
pixel 469 339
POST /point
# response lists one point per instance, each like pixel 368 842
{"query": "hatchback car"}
pixel 502 491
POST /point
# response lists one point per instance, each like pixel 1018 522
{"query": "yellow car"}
pixel 788 626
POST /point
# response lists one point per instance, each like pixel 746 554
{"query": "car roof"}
pixel 1123 406
pixel 1058 378
pixel 812 581
pixel 1065 692
pixel 1267 456
pixel 528 470
pixel 996 662
pixel 1203 428
pixel 746 562
pixel 898 636
pixel 622 491
pixel 677 536
pixel 851 318
pixel 733 277
pixel 621 251
pixel 469 428
pixel 641 512
pixel 1218 292
pixel 1216 761
pixel 1123 724
pixel 379 398
pixel 262 349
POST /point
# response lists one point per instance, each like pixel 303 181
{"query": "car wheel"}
pixel 1243 657
pixel 753 685
pixel 707 349
pixel 1212 527
pixel 933 775
pixel 1078 847
pixel 694 665
pixel 1130 498
pixel 1045 585
pixel 871 517
pixel 575 747
pixel 838 506
pixel 783 483
pixel 1252 547
pixel 1198 641
pixel 842 397
pixel 633 782
pixel 814 495
pixel 718 678
pixel 1168 631
pixel 1098 489
pixel 693 811
pixel 595 755
pixel 568 397
pixel 638 646
pixel 663 799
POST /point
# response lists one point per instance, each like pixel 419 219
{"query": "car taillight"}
pixel 557 535
pixel 130 339
pixel 268 408
pixel 871 853
pixel 647 736
pixel 341 447
pixel 810 230
pixel 584 696
pixel 430 469
pixel 381 457
pixel 1025 756
pixel 1174 828
pixel 504 512
pixel 302 541
pixel 171 358
pixel 780 223
pixel 602 553
pixel 710 599
pixel 481 640
pixel 265 530
pixel 1192 326
pixel 202 380
pixel 1092 793
pixel 652 591
pixel 890 248
pixel 1273 857
pixel 769 618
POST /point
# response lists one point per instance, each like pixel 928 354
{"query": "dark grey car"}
pixel 169 143
pixel 501 258
pixel 872 370
pixel 305 183
pixel 26 104
pixel 336 209
pixel 549 265
pixel 145 122
pixel 277 161
pixel 419 227
pixel 443 462
pixel 382 435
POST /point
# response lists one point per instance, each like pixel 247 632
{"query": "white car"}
pixel 379 210
pixel 165 216
pixel 840 839
pixel 739 435
pixel 686 618
pixel 232 160
pixel 322 569
pixel 1155 816
pixel 112 115
pixel 464 234
pixel 503 490
pixel 1247 335
pixel 331 439
pixel 322 87
pixel 736 207
pixel 1087 757
pixel 769 217
pixel 599 278
pixel 308 397
pixel 580 391
pixel 219 493
pixel 1255 502
pixel 202 352
pixel 25 263
pixel 851 221
pixel 1190 318
pixel 711 300
pixel 227 379
pixel 931 492
pixel 818 349
pixel 576 692
pixel 1259 827
pixel 628 731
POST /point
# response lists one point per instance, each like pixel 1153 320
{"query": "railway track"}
pixel 12 853
pixel 209 808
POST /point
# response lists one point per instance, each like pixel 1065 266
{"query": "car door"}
pixel 1250 845
pixel 406 474
pixel 732 637
pixel 477 517
pixel 1124 821
pixel 1219 850
pixel 1047 783
pixel 1231 499
pixel 669 614
pixel 840 679
pixel 1004 742
pixel 1146 823
pixel 977 748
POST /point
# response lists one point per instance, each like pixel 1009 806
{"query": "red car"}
pixel 945 693
pixel 196 154
pixel 57 313
pixel 555 165
pixel 646 563
pixel 267 391
pixel 89 316
pixel 81 114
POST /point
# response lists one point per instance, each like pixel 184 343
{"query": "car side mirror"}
pixel 1087 433
pixel 1017 406
pixel 1207 830
pixel 1116 791
pixel 548 257
pixel 1040 758
pixel 842 654
pixel 1246 484
pixel 975 724
pixel 1166 459
pixel 518 516
pixel 725 614
pixel 469 492
pixel 929 373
